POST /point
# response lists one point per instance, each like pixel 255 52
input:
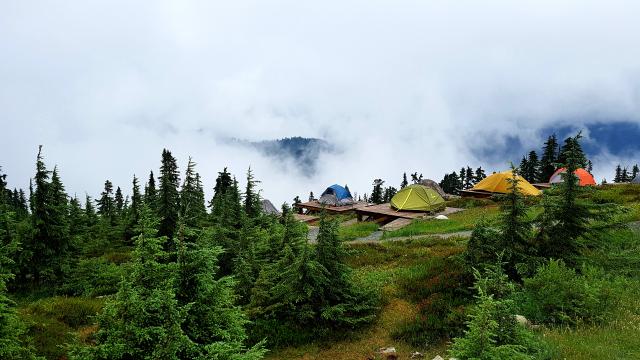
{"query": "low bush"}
pixel 72 311
pixel 94 277
pixel 557 294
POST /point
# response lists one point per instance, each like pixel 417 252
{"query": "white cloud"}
pixel 402 86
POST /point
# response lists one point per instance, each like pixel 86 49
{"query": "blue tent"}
pixel 336 195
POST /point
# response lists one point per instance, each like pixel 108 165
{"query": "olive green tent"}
pixel 417 198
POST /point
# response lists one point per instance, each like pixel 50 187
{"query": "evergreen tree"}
pixel 571 146
pixel 106 204
pixel 634 172
pixel 415 178
pixel 220 202
pixel 404 182
pixel 377 195
pixel 144 320
pixel 168 199
pixel 468 178
pixel 134 210
pixel 119 202
pixel 252 205
pixel 311 197
pixel 590 166
pixel 618 177
pixel 192 208
pixel 566 216
pixel 479 175
pixel 549 159
pixel 77 224
pixel 150 193
pixel 389 193
pixel 625 176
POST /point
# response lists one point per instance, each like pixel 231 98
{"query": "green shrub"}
pixel 557 294
pixel 94 277
pixel 72 311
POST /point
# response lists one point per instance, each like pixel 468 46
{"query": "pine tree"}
pixel 119 202
pixel 168 199
pixel 404 182
pixel 549 159
pixel 468 178
pixel 415 178
pixel 389 193
pixel 624 176
pixel 192 210
pixel 479 175
pixel 311 197
pixel 590 166
pixel 252 206
pixel 297 201
pixel 90 216
pixel 151 194
pixel 377 195
pixel 634 172
pixel 133 213
pixel 106 204
pixel 571 146
pixel 77 224
pixel 618 177
pixel 144 319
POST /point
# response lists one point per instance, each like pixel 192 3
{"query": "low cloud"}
pixel 418 86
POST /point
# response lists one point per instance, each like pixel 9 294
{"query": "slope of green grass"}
pixel 357 230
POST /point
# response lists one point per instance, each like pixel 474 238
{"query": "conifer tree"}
pixel 618 177
pixel 144 319
pixel 571 146
pixel 624 177
pixel 77 224
pixel 192 209
pixel 90 216
pixel 311 197
pixel 252 206
pixel 549 159
pixel 377 195
pixel 133 217
pixel 590 166
pixel 404 182
pixel 168 199
pixel 389 193
pixel 297 201
pixel 150 193
pixel 415 178
pixel 479 175
pixel 106 204
pixel 119 202
pixel 634 172
pixel 468 178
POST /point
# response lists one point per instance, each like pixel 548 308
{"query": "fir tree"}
pixel 549 159
pixel 134 210
pixel 377 195
pixel 624 177
pixel 479 175
pixel 252 206
pixel 311 197
pixel 168 199
pixel 106 204
pixel 90 216
pixel 468 178
pixel 192 209
pixel 119 201
pixel 590 166
pixel 77 224
pixel 404 182
pixel 150 193
pixel 297 201
pixel 415 178
pixel 389 193
pixel 618 177
pixel 572 146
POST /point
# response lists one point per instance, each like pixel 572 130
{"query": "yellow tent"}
pixel 497 183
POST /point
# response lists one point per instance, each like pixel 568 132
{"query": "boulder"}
pixel 441 217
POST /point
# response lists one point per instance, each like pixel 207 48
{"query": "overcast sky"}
pixel 399 85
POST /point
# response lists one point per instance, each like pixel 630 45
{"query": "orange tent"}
pixel 583 175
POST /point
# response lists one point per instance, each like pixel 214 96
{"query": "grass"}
pixel 357 230
pixel 58 320
pixel 461 221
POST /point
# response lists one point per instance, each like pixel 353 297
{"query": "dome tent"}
pixel 417 198
pixel 498 183
pixel 336 195
pixel 583 175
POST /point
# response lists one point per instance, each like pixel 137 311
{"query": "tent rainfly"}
pixel 336 195
pixel 583 175
pixel 498 183
pixel 268 208
pixel 417 198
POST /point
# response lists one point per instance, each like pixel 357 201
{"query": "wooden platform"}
pixel 384 211
pixel 305 218
pixel 315 206
pixel 542 186
pixel 477 194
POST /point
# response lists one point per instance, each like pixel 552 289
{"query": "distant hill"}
pixel 304 152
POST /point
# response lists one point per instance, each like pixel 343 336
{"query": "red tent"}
pixel 583 175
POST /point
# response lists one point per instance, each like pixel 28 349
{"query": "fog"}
pixel 396 85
